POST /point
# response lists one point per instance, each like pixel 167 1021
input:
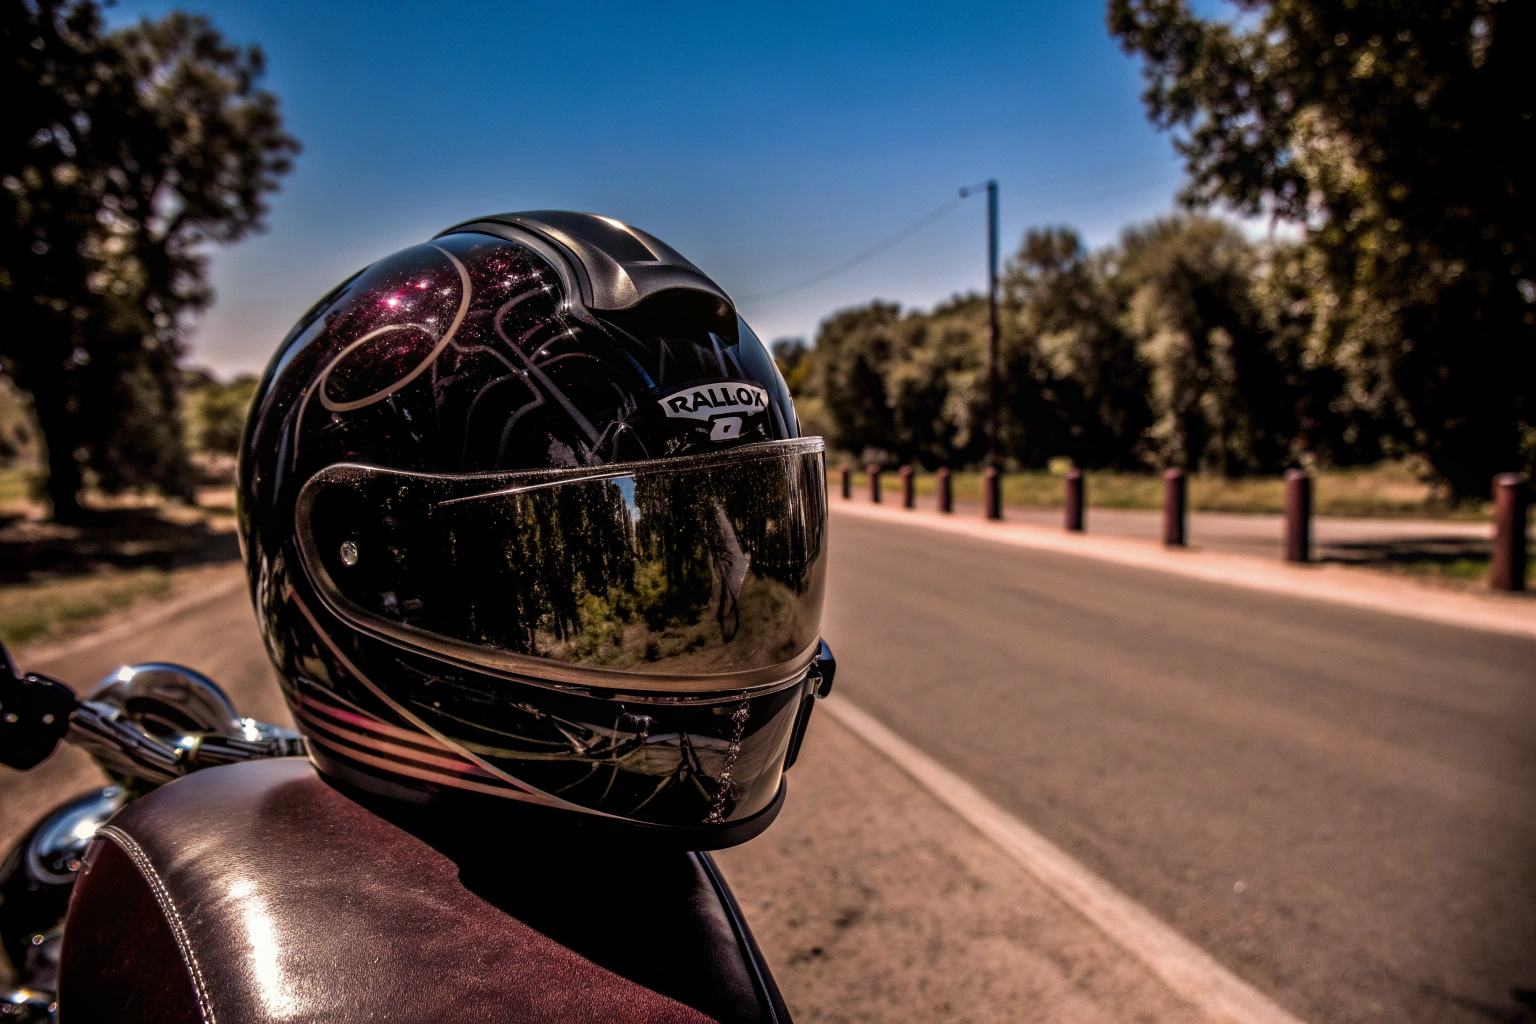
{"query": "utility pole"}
pixel 993 497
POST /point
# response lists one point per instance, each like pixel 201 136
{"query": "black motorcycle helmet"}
pixel 528 520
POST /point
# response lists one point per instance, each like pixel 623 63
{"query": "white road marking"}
pixel 1183 966
pixel 1360 588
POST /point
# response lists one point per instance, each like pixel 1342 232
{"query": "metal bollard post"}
pixel 847 481
pixel 874 483
pixel 1175 507
pixel 993 486
pixel 908 488
pixel 1073 507
pixel 1298 515
pixel 946 499
pixel 1511 503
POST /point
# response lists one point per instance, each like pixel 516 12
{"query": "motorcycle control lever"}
pixel 126 749
pixel 149 723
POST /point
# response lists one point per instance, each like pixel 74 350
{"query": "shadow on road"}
pixel 123 538
pixel 1461 558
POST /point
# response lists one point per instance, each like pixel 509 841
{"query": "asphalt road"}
pixel 1339 806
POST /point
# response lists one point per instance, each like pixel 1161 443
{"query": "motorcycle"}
pixel 221 878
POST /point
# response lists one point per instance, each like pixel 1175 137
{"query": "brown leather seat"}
pixel 257 892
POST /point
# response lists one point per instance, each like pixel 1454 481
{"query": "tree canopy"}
pixel 1184 345
pixel 1397 135
pixel 125 155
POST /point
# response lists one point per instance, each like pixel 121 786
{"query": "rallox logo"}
pixel 724 404
pixel 707 402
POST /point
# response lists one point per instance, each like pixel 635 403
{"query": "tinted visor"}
pixel 699 574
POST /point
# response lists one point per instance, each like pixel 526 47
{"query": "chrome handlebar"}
pixel 157 722
pixel 125 749
pixel 148 724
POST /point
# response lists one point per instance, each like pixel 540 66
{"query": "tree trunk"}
pixel 61 438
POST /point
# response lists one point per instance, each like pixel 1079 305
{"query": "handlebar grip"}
pixel 34 716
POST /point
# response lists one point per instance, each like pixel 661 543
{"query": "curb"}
pixel 1514 616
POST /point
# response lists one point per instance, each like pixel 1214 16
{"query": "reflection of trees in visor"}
pixel 700 567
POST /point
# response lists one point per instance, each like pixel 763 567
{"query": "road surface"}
pixel 1339 806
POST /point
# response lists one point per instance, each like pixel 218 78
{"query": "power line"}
pixel 921 223
pixel 853 261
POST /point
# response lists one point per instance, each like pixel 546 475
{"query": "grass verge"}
pixel 16 487
pixel 1390 490
pixel 31 611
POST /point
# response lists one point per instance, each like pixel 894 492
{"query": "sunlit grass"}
pixel 1388 490
pixel 16 487
pixel 30 611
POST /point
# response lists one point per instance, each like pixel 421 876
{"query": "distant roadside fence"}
pixel 1508 562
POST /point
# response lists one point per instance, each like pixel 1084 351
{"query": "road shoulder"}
pixel 875 902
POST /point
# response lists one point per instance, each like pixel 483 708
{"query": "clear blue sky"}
pixel 765 143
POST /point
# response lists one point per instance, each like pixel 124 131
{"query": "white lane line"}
pixel 1183 966
pixel 1360 588
pixel 35 657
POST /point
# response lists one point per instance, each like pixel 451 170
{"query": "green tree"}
pixel 18 433
pixel 1330 425
pixel 854 350
pixel 796 361
pixel 126 154
pixel 893 387
pixel 936 384
pixel 1398 135
pixel 216 410
pixel 1076 380
pixel 1220 395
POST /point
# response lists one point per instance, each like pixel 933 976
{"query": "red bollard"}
pixel 993 488
pixel 1175 507
pixel 908 489
pixel 1072 517
pixel 1298 515
pixel 946 499
pixel 847 481
pixel 1511 503
pixel 874 483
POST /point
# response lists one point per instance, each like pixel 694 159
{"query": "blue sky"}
pixel 765 143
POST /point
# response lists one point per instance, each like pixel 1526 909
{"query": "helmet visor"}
pixel 699 574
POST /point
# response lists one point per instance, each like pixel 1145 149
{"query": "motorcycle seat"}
pixel 258 893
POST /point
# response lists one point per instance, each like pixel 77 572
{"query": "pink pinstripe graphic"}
pixel 510 788
pixel 384 746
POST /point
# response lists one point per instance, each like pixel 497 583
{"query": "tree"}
pixel 126 154
pixel 796 361
pixel 216 411
pixel 854 349
pixel 936 384
pixel 1220 396
pixel 892 387
pixel 1398 135
pixel 1086 383
pixel 1329 424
